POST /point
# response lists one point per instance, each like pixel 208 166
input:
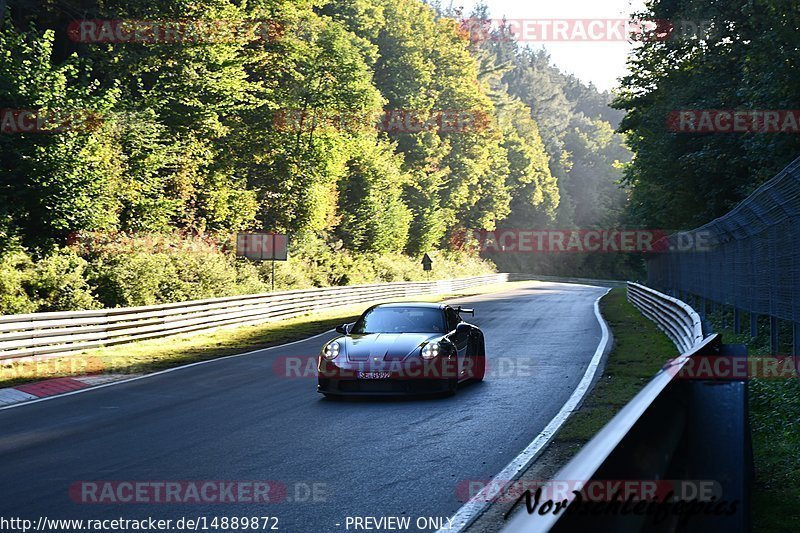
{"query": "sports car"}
pixel 403 348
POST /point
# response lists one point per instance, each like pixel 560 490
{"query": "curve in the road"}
pixel 238 419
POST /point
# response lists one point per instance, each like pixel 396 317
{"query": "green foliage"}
pixel 318 263
pixel 189 138
pixel 59 283
pixel 133 271
pixel 577 127
pixel 16 270
pixel 745 61
pixel 147 279
pixel 51 183
pixel 373 215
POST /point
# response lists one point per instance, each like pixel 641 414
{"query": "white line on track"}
pixel 471 510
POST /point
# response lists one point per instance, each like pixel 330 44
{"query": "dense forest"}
pixel 268 123
pixel 744 56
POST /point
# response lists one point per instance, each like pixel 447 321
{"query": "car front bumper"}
pixel 382 387
pixel 408 377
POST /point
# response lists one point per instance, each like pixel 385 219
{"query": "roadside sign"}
pixel 427 262
pixel 262 246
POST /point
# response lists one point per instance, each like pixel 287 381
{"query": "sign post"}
pixel 427 265
pixel 263 246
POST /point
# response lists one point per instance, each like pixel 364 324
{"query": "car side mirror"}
pixel 344 329
pixel 463 328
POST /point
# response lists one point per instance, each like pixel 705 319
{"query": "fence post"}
pixel 737 320
pixel 773 335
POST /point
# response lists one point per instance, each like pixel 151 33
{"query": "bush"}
pixel 127 271
pixel 148 279
pixel 16 271
pixel 59 283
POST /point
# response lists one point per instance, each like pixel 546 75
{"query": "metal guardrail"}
pixel 673 429
pixel 73 331
pixel 676 319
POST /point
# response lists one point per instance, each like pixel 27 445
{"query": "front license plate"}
pixel 374 375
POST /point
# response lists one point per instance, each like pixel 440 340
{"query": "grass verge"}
pixel 167 352
pixel 775 426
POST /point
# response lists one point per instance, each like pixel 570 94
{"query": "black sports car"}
pixel 403 348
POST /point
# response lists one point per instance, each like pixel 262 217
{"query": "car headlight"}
pixel 431 350
pixel 331 351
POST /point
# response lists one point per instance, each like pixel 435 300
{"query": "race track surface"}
pixel 240 419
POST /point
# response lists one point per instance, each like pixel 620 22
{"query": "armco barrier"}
pixel 674 429
pixel 676 319
pixel 71 331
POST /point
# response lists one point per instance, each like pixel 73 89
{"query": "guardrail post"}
pixel 719 440
pixel 753 325
pixel 737 320
pixel 773 335
pixel 692 431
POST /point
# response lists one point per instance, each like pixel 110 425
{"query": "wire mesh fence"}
pixel 748 259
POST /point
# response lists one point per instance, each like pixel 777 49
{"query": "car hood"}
pixel 385 346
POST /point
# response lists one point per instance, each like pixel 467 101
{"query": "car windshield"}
pixel 400 320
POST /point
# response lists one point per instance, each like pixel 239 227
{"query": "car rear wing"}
pixel 464 310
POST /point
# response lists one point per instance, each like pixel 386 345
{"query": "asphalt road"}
pixel 240 419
